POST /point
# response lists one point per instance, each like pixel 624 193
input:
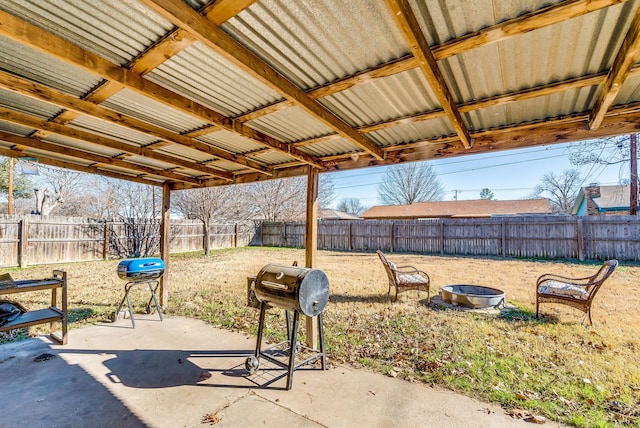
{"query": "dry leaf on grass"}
pixel 211 418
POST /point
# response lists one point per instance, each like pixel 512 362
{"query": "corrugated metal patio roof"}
pixel 202 93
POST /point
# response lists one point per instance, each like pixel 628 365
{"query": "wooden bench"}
pixel 52 315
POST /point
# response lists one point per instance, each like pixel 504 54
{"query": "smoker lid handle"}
pixel 275 285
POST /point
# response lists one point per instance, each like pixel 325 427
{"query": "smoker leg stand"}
pixel 288 319
pixel 292 348
pixel 154 298
pixel 252 363
pixel 321 338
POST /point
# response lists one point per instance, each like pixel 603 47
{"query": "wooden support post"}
pixel 164 244
pixel 580 234
pixel 441 236
pixel 349 246
pixel 633 176
pixel 391 237
pixel 311 245
pixel 23 244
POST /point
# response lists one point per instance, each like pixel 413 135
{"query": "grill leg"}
pixel 321 338
pixel 154 298
pixel 127 289
pixel 288 318
pixel 292 348
pixel 263 311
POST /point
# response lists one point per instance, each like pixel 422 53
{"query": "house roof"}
pixel 473 208
pixel 200 93
pixel 611 198
pixel 331 214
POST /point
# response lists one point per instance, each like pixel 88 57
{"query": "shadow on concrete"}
pixel 53 392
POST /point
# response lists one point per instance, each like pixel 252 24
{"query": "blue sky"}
pixel 511 174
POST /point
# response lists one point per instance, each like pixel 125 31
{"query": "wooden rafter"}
pixel 504 99
pixel 78 106
pixel 18 152
pixel 38 144
pixel 50 44
pixel 56 128
pixel 172 44
pixel 522 24
pixel 410 29
pixel 513 27
pixel 627 56
pixel 553 131
pixel 208 33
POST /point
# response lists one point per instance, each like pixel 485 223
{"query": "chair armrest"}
pixel 576 281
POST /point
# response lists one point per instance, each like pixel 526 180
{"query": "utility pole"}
pixel 10 189
pixel 633 179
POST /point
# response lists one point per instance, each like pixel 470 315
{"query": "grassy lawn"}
pixel 555 367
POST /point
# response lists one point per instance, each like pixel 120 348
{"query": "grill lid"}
pixel 293 288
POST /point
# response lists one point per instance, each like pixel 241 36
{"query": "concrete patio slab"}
pixel 182 372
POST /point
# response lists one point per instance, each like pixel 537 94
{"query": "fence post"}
pixel 580 234
pixel 235 235
pixel 283 234
pixel 23 245
pixel 391 237
pixel 503 225
pixel 262 233
pixel 105 246
pixel 441 236
pixel 349 238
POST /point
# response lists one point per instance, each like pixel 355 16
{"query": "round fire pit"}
pixel 472 296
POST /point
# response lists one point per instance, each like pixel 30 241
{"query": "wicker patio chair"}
pixel 575 292
pixel 404 278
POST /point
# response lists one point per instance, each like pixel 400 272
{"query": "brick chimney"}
pixel 590 192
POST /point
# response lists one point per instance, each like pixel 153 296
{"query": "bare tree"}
pixel 224 203
pixel 561 190
pixel 326 190
pixel 351 206
pixel 408 183
pixel 57 187
pixel 136 233
pixel 279 200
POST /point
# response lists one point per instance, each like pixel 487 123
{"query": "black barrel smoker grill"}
pixel 301 290
pixel 144 271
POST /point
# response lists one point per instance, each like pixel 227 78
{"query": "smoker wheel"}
pixel 251 364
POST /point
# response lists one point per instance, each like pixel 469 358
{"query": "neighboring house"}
pixel 458 209
pixel 602 200
pixel 331 214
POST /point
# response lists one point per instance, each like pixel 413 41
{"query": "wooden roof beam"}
pixel 208 33
pixel 50 44
pixel 56 128
pixel 410 29
pixel 172 44
pixel 513 27
pixel 71 103
pixel 38 144
pixel 522 24
pixel 627 56
pixel 17 152
pixel 504 99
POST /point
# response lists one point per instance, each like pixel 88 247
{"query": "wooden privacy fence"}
pixel 583 238
pixel 31 239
